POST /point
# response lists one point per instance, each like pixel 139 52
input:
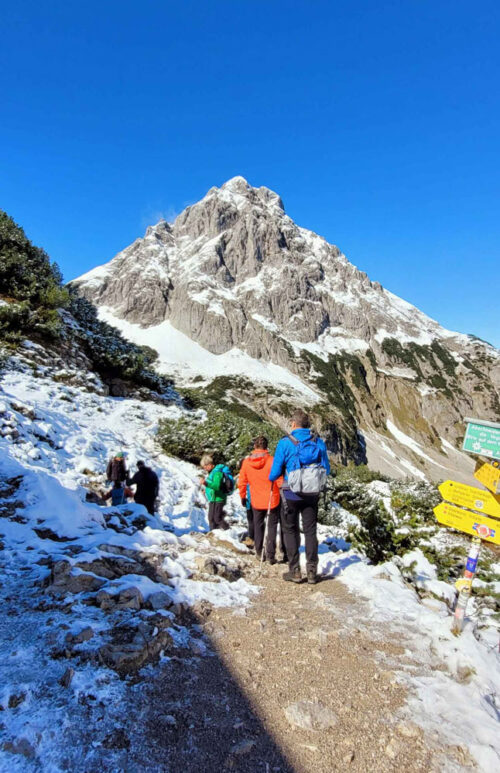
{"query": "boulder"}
pixel 159 600
pixel 310 715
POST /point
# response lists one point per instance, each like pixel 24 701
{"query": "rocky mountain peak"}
pixel 234 273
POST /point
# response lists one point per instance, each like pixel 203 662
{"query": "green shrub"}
pixel 112 356
pixel 222 432
pixel 30 286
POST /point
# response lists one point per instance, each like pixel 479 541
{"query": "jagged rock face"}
pixel 234 266
pixel 234 270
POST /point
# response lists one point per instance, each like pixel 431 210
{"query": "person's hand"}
pixel 244 502
pixel 202 481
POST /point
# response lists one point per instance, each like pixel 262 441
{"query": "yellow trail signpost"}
pixel 483 439
pixel 471 497
pixel 470 523
pixel 489 475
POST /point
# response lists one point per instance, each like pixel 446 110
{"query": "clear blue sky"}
pixel 378 123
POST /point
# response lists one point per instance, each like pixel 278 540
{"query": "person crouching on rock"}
pixel 147 483
pixel 265 496
pixel 118 494
pixel 216 485
pixel 116 469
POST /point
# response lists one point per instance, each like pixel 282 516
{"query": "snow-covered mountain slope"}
pixel 235 287
pixel 90 592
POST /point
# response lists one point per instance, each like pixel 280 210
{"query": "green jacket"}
pixel 213 483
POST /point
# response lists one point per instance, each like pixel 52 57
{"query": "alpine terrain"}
pixel 135 640
pixel 235 288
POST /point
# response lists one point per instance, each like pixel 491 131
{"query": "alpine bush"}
pixel 220 431
pixel 31 289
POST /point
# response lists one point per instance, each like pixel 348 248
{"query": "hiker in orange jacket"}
pixel 264 496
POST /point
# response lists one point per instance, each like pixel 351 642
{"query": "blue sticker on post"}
pixel 471 564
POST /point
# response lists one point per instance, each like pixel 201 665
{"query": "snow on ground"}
pixel 56 437
pixel 182 356
pixel 454 683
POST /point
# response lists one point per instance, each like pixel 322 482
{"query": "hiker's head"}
pixel 300 419
pixel 207 463
pixel 140 465
pixel 119 455
pixel 260 442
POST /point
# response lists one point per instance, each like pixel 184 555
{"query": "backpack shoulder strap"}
pixel 293 439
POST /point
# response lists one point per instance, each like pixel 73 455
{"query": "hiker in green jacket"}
pixel 218 484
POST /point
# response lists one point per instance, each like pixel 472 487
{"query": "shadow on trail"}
pixel 198 718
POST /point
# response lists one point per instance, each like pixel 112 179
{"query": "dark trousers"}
pixel 251 530
pixel 308 509
pixel 282 530
pixel 259 519
pixel 216 516
pixel 147 501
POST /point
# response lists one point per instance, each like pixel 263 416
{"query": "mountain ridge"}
pixel 234 273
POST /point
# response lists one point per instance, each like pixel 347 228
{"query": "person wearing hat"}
pixel 116 469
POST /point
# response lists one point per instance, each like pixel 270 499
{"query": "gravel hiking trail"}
pixel 294 644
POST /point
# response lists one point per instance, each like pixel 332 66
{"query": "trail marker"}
pixel 482 438
pixel 488 475
pixel 471 497
pixel 471 523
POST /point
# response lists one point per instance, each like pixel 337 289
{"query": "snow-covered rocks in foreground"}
pixel 91 594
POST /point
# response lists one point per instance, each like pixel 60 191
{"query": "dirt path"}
pixel 294 643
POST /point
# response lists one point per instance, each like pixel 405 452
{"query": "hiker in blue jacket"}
pixel 303 458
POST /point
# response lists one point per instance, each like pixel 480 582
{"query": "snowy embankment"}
pixel 77 576
pixel 454 682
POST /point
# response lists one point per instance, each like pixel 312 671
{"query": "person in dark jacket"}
pixel 117 469
pixel 297 505
pixel 147 483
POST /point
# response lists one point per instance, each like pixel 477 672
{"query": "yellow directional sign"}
pixel 471 497
pixel 489 475
pixel 470 523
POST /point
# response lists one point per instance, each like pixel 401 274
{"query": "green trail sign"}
pixel 483 438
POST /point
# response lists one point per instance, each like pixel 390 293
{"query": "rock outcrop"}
pixel 234 271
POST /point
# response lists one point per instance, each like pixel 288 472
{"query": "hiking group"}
pixel 276 491
pixel 145 481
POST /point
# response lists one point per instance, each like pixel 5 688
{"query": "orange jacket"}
pixel 255 473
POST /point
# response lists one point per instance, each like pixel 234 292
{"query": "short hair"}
pixel 260 442
pixel 206 459
pixel 140 464
pixel 301 418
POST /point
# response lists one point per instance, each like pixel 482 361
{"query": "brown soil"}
pixel 227 711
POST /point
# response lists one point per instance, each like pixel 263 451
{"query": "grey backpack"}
pixel 310 477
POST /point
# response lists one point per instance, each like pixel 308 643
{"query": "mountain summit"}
pixel 234 273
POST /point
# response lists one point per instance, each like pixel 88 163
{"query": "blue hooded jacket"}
pixel 286 459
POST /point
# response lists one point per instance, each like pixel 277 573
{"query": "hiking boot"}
pixel 294 576
pixel 272 561
pixel 312 577
pixel 249 542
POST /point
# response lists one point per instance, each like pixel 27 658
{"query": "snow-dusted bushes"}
pixel 221 431
pixel 30 286
pixel 111 354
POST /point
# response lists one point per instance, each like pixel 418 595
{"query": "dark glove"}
pixel 244 502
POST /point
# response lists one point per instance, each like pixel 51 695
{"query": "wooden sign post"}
pixel 471 506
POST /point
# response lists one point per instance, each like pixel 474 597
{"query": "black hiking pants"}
pixel 216 516
pixel 147 500
pixel 251 530
pixel 307 507
pixel 259 519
